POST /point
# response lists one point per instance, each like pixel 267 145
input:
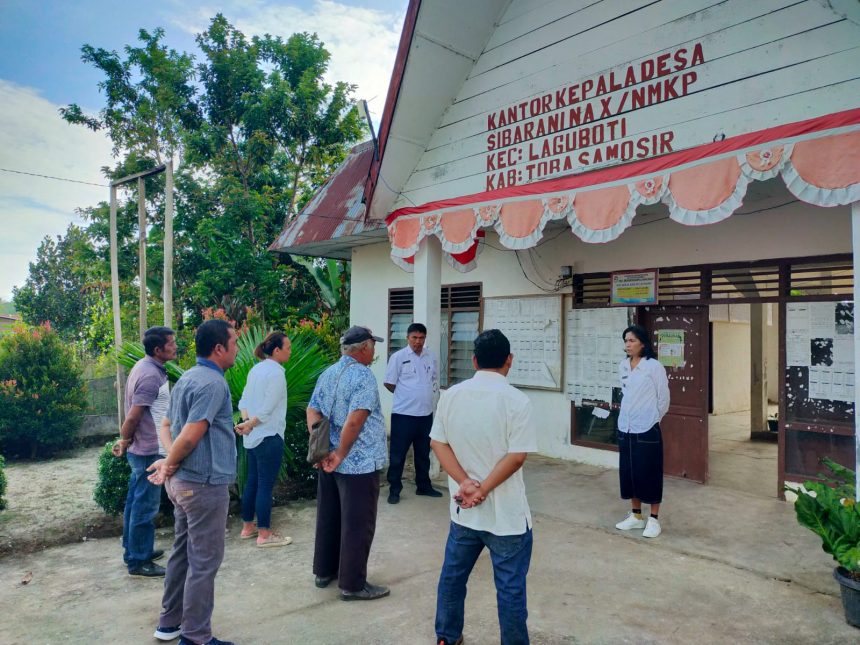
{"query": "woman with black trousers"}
pixel 644 402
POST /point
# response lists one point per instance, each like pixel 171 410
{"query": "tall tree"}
pixel 257 130
pixel 59 284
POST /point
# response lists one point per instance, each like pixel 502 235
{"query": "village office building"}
pixel 559 170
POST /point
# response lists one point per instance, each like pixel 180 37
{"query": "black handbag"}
pixel 318 442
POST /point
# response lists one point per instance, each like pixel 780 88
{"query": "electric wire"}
pixel 35 174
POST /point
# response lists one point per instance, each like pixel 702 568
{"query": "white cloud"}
pixel 362 41
pixel 33 138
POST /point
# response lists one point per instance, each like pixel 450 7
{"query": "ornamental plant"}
pixel 112 485
pixel 829 509
pixel 42 393
pixel 312 352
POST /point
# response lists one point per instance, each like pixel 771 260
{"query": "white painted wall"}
pixel 731 367
pixel 793 230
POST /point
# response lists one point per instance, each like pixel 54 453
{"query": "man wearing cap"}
pixel 348 482
pixel 413 377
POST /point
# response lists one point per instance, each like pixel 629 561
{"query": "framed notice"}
pixel 533 324
pixel 633 288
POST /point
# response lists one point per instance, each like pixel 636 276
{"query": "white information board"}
pixel 533 325
pixel 593 349
pixel 819 336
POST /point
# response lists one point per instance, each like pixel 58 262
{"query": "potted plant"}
pixel 829 509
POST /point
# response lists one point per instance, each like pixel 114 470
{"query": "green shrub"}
pixel 42 393
pixel 2 483
pixel 112 485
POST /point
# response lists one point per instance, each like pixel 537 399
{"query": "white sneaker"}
pixel 652 529
pixel 631 522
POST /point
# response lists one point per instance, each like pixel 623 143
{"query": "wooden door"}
pixel 684 334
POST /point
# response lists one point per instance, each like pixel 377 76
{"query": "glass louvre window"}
pixel 459 322
pixel 464 330
pixel 399 318
pixel 444 345
pixel 397 332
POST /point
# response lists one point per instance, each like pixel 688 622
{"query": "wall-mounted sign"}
pixel 670 347
pixel 633 288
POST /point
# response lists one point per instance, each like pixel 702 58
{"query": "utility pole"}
pixel 114 262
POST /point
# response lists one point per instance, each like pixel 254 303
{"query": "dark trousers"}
pixel 141 507
pixel 640 465
pixel 409 431
pixel 200 515
pixel 264 462
pixel 510 555
pixel 346 523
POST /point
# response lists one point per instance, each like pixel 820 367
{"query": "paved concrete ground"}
pixel 729 568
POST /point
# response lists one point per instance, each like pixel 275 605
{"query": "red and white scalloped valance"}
pixel 822 170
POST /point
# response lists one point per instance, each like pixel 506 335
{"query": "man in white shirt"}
pixel 482 433
pixel 413 376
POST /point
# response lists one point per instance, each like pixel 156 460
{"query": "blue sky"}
pixel 41 70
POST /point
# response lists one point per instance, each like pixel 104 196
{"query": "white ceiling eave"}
pixel 449 37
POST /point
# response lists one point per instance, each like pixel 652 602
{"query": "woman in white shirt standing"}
pixel 644 402
pixel 264 412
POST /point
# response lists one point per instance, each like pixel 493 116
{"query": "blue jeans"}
pixel 141 507
pixel 264 462
pixel 511 555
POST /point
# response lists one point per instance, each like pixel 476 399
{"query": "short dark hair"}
pixel 156 338
pixel 492 349
pixel 421 329
pixel 644 337
pixel 210 334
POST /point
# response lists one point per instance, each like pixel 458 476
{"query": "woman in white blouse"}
pixel 644 402
pixel 264 412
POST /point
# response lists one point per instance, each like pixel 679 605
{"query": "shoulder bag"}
pixel 318 442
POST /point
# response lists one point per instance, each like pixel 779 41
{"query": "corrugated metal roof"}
pixel 333 222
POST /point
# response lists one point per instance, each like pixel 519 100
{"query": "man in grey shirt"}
pixel 199 466
pixel 139 440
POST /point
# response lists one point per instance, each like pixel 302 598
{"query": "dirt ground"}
pixel 752 575
pixel 51 503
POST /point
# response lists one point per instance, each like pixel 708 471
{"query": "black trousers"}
pixel 409 431
pixel 346 523
pixel 640 465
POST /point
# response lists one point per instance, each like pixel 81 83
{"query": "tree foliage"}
pixel 58 284
pixel 253 130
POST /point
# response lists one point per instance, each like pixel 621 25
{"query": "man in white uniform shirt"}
pixel 413 376
pixel 482 433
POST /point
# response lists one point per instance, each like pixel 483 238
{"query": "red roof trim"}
pixel 393 95
pixel 646 166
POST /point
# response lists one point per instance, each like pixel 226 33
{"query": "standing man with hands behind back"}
pixel 139 442
pixel 482 434
pixel 413 377
pixel 200 464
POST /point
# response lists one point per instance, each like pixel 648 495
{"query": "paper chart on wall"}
pixel 819 336
pixel 593 349
pixel 533 327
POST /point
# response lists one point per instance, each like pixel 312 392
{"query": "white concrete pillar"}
pixel 427 290
pixel 427 294
pixel 855 246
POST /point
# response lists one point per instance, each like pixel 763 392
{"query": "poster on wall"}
pixel 670 347
pixel 593 349
pixel 819 338
pixel 633 288
pixel 533 326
